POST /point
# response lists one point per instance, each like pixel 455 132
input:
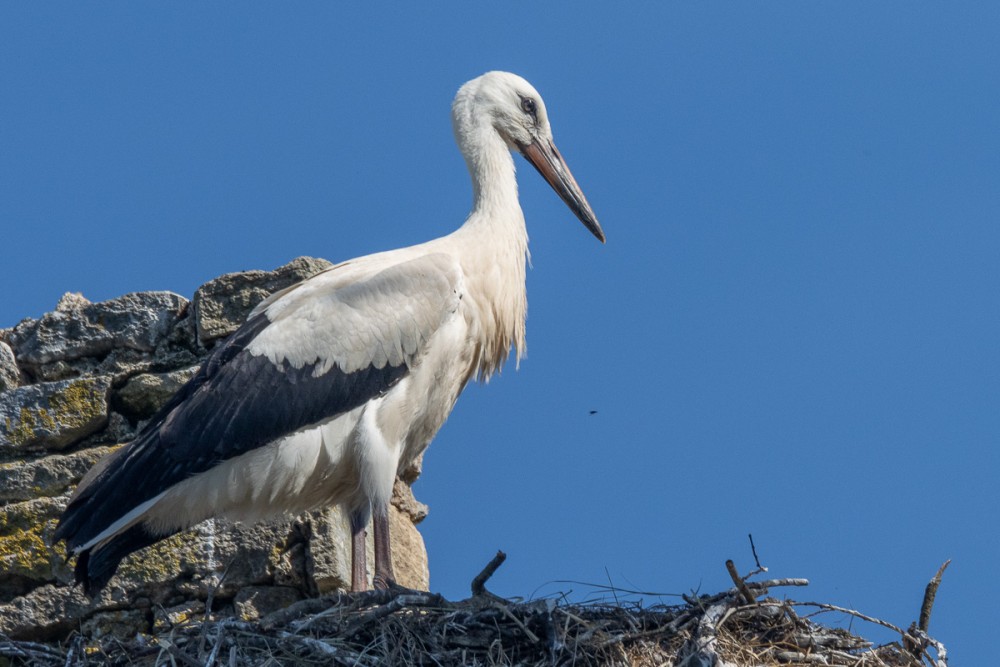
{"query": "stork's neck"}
pixel 494 246
pixel 491 166
pixel 496 222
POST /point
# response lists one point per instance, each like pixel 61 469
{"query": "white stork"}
pixel 336 383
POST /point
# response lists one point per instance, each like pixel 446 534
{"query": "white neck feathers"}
pixel 495 238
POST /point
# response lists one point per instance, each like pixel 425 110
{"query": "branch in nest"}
pixel 856 614
pixel 700 649
pixel 479 583
pixel 777 583
pixel 28 651
pixel 741 585
pixel 917 641
pixel 753 549
pixel 929 594
pixel 402 601
pixel 925 640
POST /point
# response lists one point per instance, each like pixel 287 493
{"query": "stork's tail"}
pixel 107 496
pixel 95 566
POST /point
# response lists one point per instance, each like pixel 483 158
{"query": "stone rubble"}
pixel 10 376
pixel 80 380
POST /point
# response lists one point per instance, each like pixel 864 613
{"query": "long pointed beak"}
pixel 544 156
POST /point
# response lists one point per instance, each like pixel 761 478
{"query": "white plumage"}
pixel 335 384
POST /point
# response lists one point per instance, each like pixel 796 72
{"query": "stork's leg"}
pixel 359 554
pixel 383 551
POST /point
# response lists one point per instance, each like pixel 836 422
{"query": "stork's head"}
pixel 510 106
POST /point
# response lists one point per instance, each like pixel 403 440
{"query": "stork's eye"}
pixel 529 107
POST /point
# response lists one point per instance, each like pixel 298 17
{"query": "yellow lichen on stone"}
pixel 163 560
pixel 21 553
pixel 24 549
pixel 80 404
pixel 76 404
pixel 25 429
pixel 46 419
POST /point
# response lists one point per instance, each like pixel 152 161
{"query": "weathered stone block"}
pixel 222 305
pixel 26 557
pixel 329 551
pixel 409 555
pixel 143 394
pixel 404 500
pixel 78 328
pixel 46 477
pixel 10 376
pixel 215 555
pixel 52 415
pixel 48 612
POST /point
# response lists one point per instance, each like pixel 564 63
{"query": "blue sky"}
pixel 792 330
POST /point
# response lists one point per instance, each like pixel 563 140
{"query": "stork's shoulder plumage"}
pixel 375 311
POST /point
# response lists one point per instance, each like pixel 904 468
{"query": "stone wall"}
pixel 78 382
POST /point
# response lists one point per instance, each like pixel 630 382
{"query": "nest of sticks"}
pixel 739 627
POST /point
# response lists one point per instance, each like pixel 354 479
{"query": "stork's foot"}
pixel 395 590
pixel 385 582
